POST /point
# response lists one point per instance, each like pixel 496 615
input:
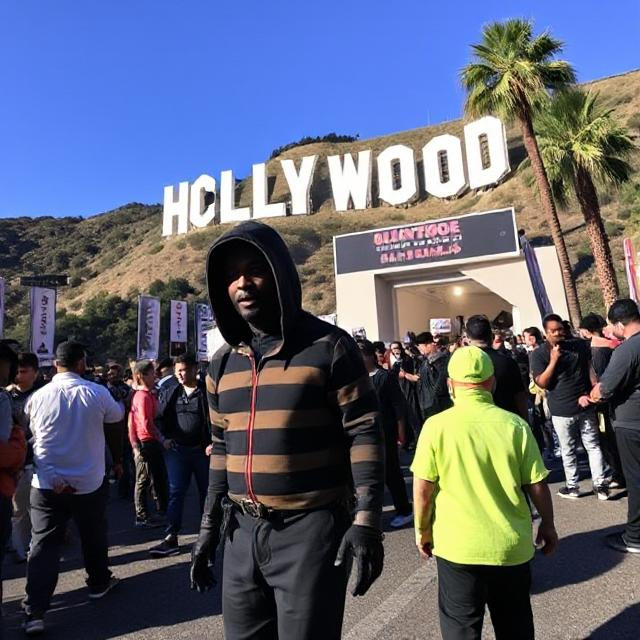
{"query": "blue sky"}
pixel 104 103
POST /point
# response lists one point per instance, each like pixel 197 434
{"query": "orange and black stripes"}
pixel 314 428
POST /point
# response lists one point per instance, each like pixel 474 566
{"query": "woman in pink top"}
pixel 148 445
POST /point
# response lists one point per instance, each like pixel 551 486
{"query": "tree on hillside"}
pixel 510 76
pixel 581 144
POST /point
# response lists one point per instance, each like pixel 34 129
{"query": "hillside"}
pixel 122 252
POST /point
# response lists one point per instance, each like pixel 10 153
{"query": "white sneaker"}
pixel 401 521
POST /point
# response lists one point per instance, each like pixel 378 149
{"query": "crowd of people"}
pixel 291 433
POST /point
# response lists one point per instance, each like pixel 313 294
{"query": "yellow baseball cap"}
pixel 471 365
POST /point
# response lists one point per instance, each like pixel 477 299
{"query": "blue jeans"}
pixel 182 463
pixel 584 426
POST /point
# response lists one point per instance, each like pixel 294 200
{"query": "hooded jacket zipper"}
pixel 248 465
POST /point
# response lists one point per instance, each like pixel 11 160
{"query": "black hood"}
pixel 232 327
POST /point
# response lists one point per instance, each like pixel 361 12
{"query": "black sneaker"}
pixel 573 493
pixel 99 591
pixel 617 541
pixel 602 492
pixel 168 547
pixel 33 624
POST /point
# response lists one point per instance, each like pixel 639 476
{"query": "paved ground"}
pixel 584 591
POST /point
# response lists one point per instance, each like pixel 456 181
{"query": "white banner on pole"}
pixel 215 341
pixel 2 307
pixel 204 322
pixel 178 321
pixel 43 324
pixel 148 328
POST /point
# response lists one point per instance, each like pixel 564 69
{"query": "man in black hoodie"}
pixel 296 445
pixel 433 393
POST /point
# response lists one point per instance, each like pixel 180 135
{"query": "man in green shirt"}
pixel 473 465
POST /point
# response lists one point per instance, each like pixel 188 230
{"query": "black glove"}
pixel 203 550
pixel 365 546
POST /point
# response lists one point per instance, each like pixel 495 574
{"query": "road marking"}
pixel 370 626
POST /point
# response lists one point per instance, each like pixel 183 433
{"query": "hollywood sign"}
pixel 446 175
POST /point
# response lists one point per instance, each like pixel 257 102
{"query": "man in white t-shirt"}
pixel 67 419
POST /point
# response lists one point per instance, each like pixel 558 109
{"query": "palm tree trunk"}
pixel 588 199
pixel 549 209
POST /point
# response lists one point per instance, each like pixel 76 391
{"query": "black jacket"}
pixel 433 392
pixel 166 417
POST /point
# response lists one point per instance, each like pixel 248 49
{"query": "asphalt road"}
pixel 585 591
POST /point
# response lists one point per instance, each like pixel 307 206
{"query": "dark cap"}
pixel 593 322
pixel 366 346
pixel 70 353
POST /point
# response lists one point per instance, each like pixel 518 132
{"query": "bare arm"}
pixel 541 498
pixel 423 512
pixel 544 379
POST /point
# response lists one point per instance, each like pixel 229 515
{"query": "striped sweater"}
pixel 293 431
pixel 298 429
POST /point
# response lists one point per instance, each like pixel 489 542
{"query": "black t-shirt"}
pixel 600 357
pixel 508 380
pixel 390 400
pixel 621 383
pixel 570 379
pixel 189 418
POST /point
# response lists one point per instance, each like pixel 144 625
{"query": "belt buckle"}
pixel 253 509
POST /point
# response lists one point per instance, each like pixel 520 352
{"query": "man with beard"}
pixel 294 426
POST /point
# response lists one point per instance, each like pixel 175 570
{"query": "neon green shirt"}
pixel 479 456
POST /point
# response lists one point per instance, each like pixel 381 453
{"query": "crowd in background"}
pixel 157 434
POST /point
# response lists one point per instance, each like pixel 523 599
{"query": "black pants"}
pixel 394 478
pixel 50 513
pixel 464 590
pixel 5 536
pixel 629 449
pixel 280 582
pixel 609 448
pixel 151 473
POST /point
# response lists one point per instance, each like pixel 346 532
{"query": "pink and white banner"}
pixel 179 321
pixel 630 266
pixel 43 324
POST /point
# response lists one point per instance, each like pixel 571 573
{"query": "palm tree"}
pixel 581 143
pixel 510 76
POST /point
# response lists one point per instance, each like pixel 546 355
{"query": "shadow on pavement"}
pixel 625 626
pixel 580 557
pixel 155 598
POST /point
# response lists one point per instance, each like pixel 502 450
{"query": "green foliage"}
pixel 198 241
pixel 108 325
pixel 575 133
pixel 156 248
pixel 512 70
pixel 613 229
pixel 329 137
pixel 583 250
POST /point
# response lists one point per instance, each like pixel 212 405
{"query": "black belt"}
pixel 262 511
pixel 253 509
